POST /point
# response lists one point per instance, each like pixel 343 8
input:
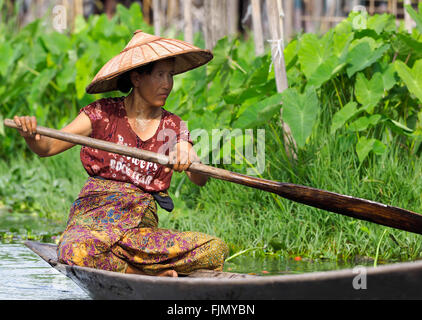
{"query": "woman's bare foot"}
pixel 165 273
pixel 168 273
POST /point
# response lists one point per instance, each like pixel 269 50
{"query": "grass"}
pixel 244 217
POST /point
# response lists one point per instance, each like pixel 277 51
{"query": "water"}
pixel 25 276
pixel 283 266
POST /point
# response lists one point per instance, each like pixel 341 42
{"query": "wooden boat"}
pixel 394 281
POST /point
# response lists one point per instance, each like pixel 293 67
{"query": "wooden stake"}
pixel 215 26
pixel 187 18
pixel 288 19
pixel 407 19
pixel 232 16
pixel 275 22
pixel 277 44
pixel 157 17
pixel 257 27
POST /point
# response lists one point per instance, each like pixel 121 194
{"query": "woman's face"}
pixel 154 88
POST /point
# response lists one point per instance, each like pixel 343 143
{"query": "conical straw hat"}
pixel 144 48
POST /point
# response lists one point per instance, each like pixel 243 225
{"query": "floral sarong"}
pixel 114 224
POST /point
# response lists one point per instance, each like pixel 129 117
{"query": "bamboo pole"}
pixel 371 7
pixel 288 19
pixel 215 26
pixel 232 16
pixel 79 7
pixel 207 27
pixel 317 13
pixel 257 27
pixel 275 26
pixel 407 19
pixel 277 43
pixel 146 10
pixel 156 7
pixel 187 19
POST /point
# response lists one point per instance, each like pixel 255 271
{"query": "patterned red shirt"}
pixel 110 123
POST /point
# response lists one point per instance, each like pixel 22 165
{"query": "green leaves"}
pixel 369 92
pixel 363 56
pixel 318 61
pixel 300 112
pixel 6 57
pixel 411 77
pixel 343 115
pixel 365 146
pixel 259 113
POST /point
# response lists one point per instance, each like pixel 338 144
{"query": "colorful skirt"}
pixel 114 224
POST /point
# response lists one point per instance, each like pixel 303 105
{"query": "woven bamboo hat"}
pixel 142 49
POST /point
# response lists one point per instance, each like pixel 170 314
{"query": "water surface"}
pixel 25 276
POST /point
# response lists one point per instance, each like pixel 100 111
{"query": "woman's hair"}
pixel 124 84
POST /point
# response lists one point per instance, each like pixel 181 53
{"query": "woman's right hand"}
pixel 27 127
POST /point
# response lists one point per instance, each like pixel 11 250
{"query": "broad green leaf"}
pixel 40 84
pixel 312 53
pixel 290 53
pixel 56 43
pixel 364 122
pixel 343 115
pixel 83 75
pixel 6 57
pixel 300 113
pixel 65 76
pixel 379 147
pixel 1 125
pixel 362 56
pixel 325 71
pixel 259 113
pixel 411 77
pixel 382 23
pixel 369 92
pixel 365 146
pixel 317 58
pixel 341 42
pixel 388 77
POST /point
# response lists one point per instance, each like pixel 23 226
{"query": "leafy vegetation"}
pixel 353 106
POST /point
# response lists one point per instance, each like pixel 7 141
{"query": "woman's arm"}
pixel 46 146
pixel 182 156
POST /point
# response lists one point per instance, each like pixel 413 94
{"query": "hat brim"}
pixel 184 61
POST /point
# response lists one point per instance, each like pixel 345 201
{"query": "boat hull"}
pixel 395 281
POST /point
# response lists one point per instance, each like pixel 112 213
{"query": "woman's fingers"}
pixel 180 160
pixel 27 126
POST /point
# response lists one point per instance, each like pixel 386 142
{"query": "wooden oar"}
pixel 346 205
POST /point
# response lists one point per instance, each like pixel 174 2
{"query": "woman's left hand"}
pixel 182 156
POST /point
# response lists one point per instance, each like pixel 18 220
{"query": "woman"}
pixel 113 223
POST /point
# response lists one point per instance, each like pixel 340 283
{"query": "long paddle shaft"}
pixel 330 201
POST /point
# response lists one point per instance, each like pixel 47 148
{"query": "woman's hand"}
pixel 27 127
pixel 182 156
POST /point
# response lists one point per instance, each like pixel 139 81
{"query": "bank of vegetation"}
pixel 353 106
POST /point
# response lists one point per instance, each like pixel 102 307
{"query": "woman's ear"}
pixel 135 78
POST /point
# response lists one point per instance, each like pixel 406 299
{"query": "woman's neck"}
pixel 137 107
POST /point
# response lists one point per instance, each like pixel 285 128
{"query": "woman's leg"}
pixel 154 250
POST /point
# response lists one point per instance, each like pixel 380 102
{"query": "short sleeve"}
pixel 98 115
